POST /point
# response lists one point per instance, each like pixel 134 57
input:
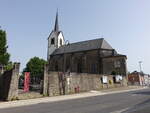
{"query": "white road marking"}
pixel 120 111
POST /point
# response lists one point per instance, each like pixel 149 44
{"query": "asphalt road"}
pixel 128 102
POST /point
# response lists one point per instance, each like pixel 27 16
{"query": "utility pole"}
pixel 140 65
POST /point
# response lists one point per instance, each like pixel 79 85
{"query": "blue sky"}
pixel 125 24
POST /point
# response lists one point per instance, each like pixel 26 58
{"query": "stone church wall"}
pixel 117 64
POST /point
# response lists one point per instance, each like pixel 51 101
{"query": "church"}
pixel 95 56
pixel 81 66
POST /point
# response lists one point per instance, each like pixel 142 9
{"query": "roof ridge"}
pixel 88 40
pixel 82 46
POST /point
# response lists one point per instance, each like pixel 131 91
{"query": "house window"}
pixel 117 64
pixel 52 40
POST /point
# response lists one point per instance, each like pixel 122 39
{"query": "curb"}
pixel 28 102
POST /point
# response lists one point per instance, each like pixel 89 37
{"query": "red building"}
pixel 136 78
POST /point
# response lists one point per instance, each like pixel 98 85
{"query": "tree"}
pixel 4 56
pixel 9 66
pixel 36 68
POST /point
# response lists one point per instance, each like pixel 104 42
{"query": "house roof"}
pixel 83 46
pixel 139 73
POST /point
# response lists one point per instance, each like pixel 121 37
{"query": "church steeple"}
pixel 56 27
pixel 55 39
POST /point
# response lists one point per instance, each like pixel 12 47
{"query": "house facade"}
pixel 135 78
pixel 147 80
pixel 138 78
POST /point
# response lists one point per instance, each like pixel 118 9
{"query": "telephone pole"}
pixel 140 65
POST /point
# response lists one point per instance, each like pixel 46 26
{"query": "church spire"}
pixel 56 27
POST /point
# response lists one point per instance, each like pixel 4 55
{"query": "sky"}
pixel 124 24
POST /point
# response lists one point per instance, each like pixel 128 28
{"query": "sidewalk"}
pixel 68 97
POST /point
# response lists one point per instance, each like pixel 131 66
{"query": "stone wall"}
pixel 51 85
pixel 45 82
pixel 9 83
pixel 54 85
pixel 82 82
pixel 77 82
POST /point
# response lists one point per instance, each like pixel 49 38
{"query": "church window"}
pixel 93 68
pixel 117 64
pixel 60 42
pixel 52 40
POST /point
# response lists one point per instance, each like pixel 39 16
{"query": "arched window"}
pixel 60 42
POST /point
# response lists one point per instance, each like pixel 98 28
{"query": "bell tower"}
pixel 55 39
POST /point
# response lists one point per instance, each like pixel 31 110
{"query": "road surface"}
pixel 127 102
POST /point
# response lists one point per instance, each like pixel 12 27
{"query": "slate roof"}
pixel 83 46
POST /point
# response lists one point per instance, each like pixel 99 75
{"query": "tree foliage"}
pixel 9 66
pixel 36 67
pixel 4 56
